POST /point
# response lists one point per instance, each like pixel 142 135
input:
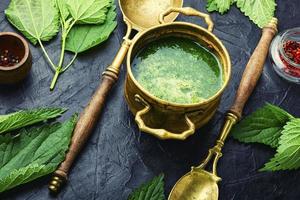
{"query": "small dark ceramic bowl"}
pixel 18 46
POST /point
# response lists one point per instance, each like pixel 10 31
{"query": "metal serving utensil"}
pixel 139 15
pixel 199 184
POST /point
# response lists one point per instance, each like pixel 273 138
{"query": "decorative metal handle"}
pixel 160 133
pixel 231 119
pixel 189 12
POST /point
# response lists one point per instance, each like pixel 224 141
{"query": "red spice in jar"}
pixel 292 52
pixel 7 59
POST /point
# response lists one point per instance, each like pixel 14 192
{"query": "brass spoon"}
pixel 199 184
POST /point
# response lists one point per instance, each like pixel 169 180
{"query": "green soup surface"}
pixel 178 70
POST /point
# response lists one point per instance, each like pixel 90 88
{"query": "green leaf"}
pixel 259 11
pixel 153 190
pixel 63 10
pixel 34 153
pixel 84 37
pixel 221 6
pixel 88 11
pixel 24 175
pixel 24 118
pixel 36 19
pixel 262 126
pixel 288 153
pixel 211 6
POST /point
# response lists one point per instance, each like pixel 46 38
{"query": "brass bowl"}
pixel 158 117
pixel 18 45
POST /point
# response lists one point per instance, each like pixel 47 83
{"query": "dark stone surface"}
pixel 118 157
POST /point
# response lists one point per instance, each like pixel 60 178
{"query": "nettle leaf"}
pixel 84 37
pixel 24 118
pixel 262 126
pixel 259 11
pixel 63 10
pixel 153 190
pixel 24 175
pixel 211 6
pixel 88 11
pixel 35 152
pixel 288 153
pixel 36 19
pixel 221 6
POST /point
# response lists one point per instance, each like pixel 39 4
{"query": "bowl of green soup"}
pixel 176 74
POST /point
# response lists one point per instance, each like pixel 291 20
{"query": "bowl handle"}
pixel 160 133
pixel 189 12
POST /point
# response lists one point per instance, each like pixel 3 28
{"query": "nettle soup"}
pixel 178 70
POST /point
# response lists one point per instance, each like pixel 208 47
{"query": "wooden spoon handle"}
pixel 88 119
pixel 250 77
pixel 254 68
pixel 85 124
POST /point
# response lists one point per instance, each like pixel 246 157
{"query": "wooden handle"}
pixel 254 68
pixel 84 127
pixel 88 119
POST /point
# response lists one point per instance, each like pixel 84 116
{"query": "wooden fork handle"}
pixel 254 68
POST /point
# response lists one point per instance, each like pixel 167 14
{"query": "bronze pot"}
pixel 158 117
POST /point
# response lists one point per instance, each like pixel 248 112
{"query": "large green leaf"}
pixel 33 153
pixel 288 152
pixel 88 11
pixel 63 10
pixel 36 19
pixel 259 11
pixel 24 175
pixel 24 118
pixel 219 5
pixel 84 37
pixel 262 126
pixel 153 190
pixel 211 6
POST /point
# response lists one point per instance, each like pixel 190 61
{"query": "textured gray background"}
pixel 118 157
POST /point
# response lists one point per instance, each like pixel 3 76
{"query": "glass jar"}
pixel 285 54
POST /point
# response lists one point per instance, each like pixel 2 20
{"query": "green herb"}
pixel 39 21
pixel 259 11
pixel 83 37
pixel 219 5
pixel 63 10
pixel 273 126
pixel 153 190
pixel 88 11
pixel 21 119
pixel 288 152
pixel 33 153
pixel 263 126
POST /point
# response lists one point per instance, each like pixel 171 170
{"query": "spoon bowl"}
pixel 144 14
pixel 199 184
pixel 188 186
